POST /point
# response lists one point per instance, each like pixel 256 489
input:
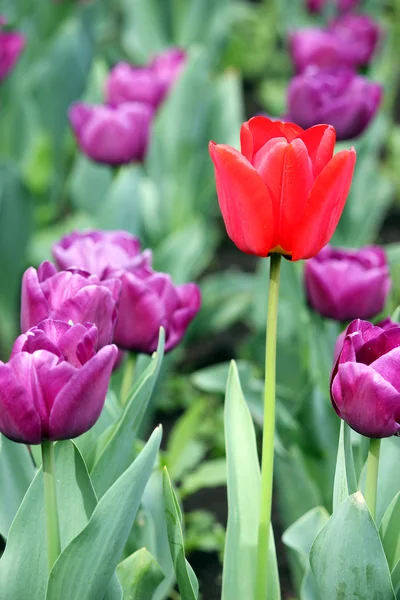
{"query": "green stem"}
pixel 267 464
pixel 372 475
pixel 127 378
pixel 50 504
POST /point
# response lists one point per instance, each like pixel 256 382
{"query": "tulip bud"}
pixel 72 295
pixel 365 384
pixel 11 45
pixel 133 84
pixel 54 385
pixel 347 284
pixel 337 96
pixel 112 135
pixel 100 252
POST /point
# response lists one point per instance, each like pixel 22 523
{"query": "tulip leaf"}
pixel 117 454
pixel 244 489
pixel 139 575
pixel 396 578
pixel 389 475
pixel 301 535
pixel 85 568
pixel 347 557
pixel 345 482
pixel 16 473
pixel 23 566
pixel 187 582
pixel 389 532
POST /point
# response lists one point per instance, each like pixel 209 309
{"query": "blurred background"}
pixel 217 63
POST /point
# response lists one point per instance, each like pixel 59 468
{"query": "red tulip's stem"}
pixel 267 465
pixel 50 504
pixel 371 483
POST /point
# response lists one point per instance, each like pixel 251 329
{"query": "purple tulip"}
pixel 347 284
pixel 11 45
pixel 168 66
pixel 317 6
pixel 133 84
pixel 365 382
pixel 112 135
pixel 72 295
pixel 100 252
pixel 336 96
pixel 384 324
pixel 149 300
pixel 349 41
pixel 54 385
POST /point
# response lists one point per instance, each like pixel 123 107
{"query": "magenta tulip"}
pixel 365 381
pixel 346 284
pixel 360 35
pixel 167 66
pixel 72 295
pixel 336 96
pixel 112 135
pixel 54 385
pixel 126 83
pixel 342 5
pixel 12 44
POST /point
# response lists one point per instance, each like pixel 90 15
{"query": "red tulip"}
pixel 285 191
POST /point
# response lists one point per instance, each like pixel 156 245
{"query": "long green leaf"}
pixel 345 482
pixel 187 582
pixel 118 452
pixel 347 558
pixel 16 473
pixel 85 568
pixel 301 535
pixel 139 575
pixel 389 531
pixel 244 489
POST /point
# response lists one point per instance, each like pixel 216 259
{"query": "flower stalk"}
pixel 267 464
pixel 50 502
pixel 371 484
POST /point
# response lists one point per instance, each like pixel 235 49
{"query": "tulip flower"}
pixel 54 385
pixel 347 284
pixel 72 295
pixel 342 5
pixel 11 45
pixel 148 299
pixel 100 252
pixel 126 83
pixel 384 324
pixel 337 96
pixel 285 191
pixel 365 383
pixel 349 41
pixel 167 66
pixel 112 135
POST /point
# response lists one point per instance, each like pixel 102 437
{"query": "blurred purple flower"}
pixel 167 66
pixel 126 83
pixel 365 382
pixel 12 44
pixel 100 252
pixel 112 135
pixel 342 5
pixel 347 284
pixel 336 96
pixel 349 41
pixel 72 295
pixel 54 385
pixel 148 299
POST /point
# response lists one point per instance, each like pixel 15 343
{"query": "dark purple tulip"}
pixel 54 385
pixel 365 381
pixel 346 284
pixel 72 295
pixel 126 83
pixel 167 66
pixel 100 252
pixel 336 96
pixel 359 34
pixel 149 300
pixel 112 135
pixel 11 45
pixel 384 324
pixel 342 5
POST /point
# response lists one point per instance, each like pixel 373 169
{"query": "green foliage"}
pixel 139 575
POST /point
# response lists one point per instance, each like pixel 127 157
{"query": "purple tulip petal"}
pixel 34 306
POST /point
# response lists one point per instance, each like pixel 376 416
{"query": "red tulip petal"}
pixel 259 130
pixel 244 200
pixel 320 142
pixel 324 205
pixel 287 172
